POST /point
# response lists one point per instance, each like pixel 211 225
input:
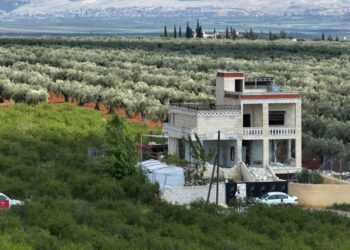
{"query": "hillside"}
pixel 74 203
pixel 251 7
pixel 142 76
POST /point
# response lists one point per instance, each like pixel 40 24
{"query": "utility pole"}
pixel 211 180
pixel 217 170
pixel 216 165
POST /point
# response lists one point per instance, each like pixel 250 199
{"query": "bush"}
pixel 343 207
pixel 309 177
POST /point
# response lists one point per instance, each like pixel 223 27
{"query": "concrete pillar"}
pixel 266 144
pixel 239 151
pixel 298 134
pixel 289 149
pixel 173 147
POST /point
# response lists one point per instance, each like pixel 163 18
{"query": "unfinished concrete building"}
pixel 259 122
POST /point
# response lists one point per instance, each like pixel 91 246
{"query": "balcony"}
pixel 253 131
pixel 256 132
pixel 281 131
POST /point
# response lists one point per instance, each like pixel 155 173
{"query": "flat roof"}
pixel 230 74
pixel 262 95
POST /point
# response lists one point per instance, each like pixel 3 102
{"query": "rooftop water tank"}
pixel 274 88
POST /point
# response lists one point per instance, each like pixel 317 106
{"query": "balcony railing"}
pixel 281 131
pixel 273 131
pixel 253 131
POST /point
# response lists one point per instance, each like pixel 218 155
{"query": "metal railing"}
pixel 204 107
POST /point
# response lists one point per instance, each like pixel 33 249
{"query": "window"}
pixel 232 153
pixel 276 118
pixel 246 120
pixel 273 197
pixel 238 85
pixel 3 198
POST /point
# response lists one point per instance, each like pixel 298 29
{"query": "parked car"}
pixel 278 198
pixel 6 202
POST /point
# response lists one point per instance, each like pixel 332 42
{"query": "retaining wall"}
pixel 188 194
pixel 320 195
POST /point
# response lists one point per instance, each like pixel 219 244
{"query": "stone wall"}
pixel 320 195
pixel 188 194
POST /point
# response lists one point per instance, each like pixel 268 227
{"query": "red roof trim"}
pixel 234 74
pixel 263 96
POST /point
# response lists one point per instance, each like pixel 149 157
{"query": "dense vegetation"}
pixel 76 203
pixel 307 176
pixel 144 75
pixel 343 207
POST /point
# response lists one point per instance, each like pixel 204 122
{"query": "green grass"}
pixel 71 204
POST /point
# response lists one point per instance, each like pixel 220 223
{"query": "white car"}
pixel 11 202
pixel 278 198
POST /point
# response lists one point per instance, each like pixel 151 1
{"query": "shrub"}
pixel 309 177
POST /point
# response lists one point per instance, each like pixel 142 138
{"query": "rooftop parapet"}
pixel 204 106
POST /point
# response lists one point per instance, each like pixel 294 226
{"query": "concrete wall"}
pixel 188 194
pixel 173 146
pixel 320 195
pixel 289 115
pixel 255 111
pixel 257 151
pixel 226 124
pixel 225 152
pixel 186 121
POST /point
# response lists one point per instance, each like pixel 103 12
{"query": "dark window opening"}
pixel 250 85
pixel 182 149
pixel 232 153
pixel 262 84
pixel 239 85
pixel 246 120
pixel 276 118
pixel 247 146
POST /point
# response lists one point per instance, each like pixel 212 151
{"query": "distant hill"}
pixel 88 8
pixel 9 5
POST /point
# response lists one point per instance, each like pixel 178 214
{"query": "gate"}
pixel 255 189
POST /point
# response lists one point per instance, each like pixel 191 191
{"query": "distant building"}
pixel 260 124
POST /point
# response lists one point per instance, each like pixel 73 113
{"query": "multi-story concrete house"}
pixel 259 122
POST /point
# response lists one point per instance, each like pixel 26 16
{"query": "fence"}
pixel 188 194
pixel 255 189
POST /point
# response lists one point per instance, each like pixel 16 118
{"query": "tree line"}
pixel 229 33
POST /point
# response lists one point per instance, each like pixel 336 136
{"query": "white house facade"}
pixel 259 122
